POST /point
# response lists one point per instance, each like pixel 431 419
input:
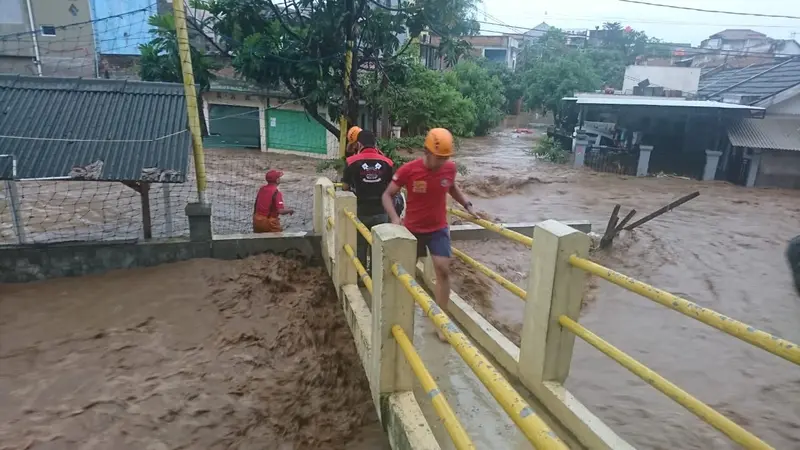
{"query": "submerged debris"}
pixel 156 175
pixel 93 171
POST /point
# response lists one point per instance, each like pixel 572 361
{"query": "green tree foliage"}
pixel 511 81
pixel 300 46
pixel 475 83
pixel 549 81
pixel 552 70
pixel 424 100
pixel 160 60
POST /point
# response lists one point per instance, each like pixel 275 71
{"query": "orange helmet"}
pixel 352 134
pixel 439 141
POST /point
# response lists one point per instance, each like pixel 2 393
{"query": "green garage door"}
pixel 233 126
pixel 294 130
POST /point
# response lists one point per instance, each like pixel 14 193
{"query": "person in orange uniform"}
pixel 428 180
pixel 269 205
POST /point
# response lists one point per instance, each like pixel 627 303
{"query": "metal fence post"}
pixel 555 288
pixel 392 304
pixel 14 204
pixel 167 210
pixel 345 233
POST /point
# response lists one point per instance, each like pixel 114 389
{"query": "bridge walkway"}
pixel 511 397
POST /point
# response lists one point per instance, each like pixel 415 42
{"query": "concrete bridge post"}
pixel 345 233
pixel 555 289
pixel 392 304
pixel 322 210
pixel 320 187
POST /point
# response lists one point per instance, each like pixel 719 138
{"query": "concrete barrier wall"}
pixel 33 263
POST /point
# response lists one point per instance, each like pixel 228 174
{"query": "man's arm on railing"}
pixel 459 196
pixel 387 199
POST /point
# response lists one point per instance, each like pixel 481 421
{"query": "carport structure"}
pixel 682 132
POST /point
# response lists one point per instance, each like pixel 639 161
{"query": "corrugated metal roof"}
pixel 762 80
pixel 631 100
pixel 773 133
pixel 51 125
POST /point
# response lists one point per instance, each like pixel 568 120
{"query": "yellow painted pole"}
pixel 338 185
pixel 537 432
pixel 773 344
pixel 190 93
pixel 360 227
pixel 685 399
pixel 348 61
pixel 457 433
pixel 513 235
pixel 513 288
pixel 362 272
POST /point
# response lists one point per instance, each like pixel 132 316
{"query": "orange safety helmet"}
pixel 439 142
pixel 352 134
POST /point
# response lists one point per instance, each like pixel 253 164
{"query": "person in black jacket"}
pixel 367 174
pixel 793 255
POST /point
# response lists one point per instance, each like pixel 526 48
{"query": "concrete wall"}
pixel 686 79
pixel 69 53
pixel 33 263
pixel 779 169
pixel 788 107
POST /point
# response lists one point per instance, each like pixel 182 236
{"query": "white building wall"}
pixel 787 107
pixel 686 79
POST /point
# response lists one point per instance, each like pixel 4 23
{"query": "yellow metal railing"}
pixel 454 428
pixel 513 235
pixel 766 341
pixel 362 271
pixel 537 432
pixel 440 405
pixel 338 185
pixel 695 406
pixel 511 287
pixel 359 226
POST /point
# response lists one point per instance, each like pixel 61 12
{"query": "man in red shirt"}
pixel 428 180
pixel 269 205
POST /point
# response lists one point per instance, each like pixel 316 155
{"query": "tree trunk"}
pixel 386 129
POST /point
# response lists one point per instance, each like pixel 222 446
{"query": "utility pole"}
pixel 190 92
pixel 348 63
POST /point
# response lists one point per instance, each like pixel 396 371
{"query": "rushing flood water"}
pixel 723 250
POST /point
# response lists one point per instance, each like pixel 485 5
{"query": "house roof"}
pixel 738 34
pixel 772 133
pixel 633 100
pixel 62 127
pixel 761 81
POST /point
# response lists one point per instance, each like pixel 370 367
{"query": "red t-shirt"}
pixel 426 194
pixel 269 200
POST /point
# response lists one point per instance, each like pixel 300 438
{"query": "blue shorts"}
pixel 438 242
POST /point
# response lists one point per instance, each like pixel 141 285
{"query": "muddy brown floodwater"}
pixel 723 250
pixel 204 354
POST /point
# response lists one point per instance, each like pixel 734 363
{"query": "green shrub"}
pixel 549 150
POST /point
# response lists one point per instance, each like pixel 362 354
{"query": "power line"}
pixel 715 11
pixel 600 19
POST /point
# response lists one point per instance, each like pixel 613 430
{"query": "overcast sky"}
pixel 664 23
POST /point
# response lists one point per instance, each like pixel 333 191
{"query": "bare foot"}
pixel 441 335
